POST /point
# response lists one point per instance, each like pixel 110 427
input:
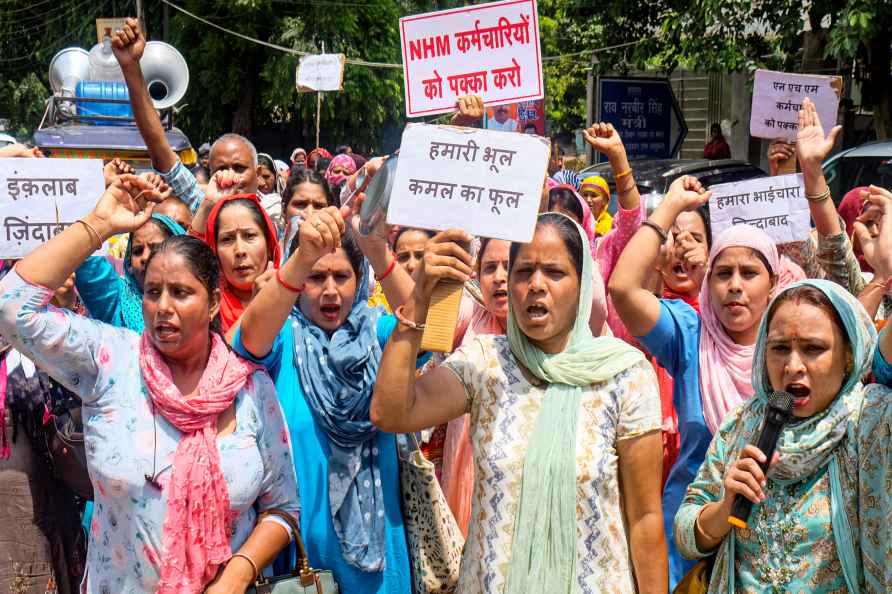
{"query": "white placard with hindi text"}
pixel 321 72
pixel 777 205
pixel 21 179
pixel 777 98
pixel 491 50
pixel 41 197
pixel 486 182
pixel 28 223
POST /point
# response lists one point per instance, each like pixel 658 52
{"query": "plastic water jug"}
pixel 103 64
pixel 103 89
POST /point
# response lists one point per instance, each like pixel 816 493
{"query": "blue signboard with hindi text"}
pixel 644 112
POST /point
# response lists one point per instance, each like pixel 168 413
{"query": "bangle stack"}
pixel 819 197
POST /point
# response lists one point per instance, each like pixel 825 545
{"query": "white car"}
pixel 6 139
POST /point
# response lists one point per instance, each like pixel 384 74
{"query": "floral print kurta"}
pixel 126 440
pixel 789 546
pixel 503 406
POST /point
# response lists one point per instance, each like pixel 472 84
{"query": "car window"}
pixel 729 176
pixel 864 171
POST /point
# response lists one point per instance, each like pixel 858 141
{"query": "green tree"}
pixel 30 35
pixel 732 35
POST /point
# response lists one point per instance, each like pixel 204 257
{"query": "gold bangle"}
pixel 92 233
pixel 619 176
pixel 249 560
pixel 819 197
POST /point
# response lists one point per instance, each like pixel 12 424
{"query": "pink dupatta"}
pixel 725 366
pixel 195 540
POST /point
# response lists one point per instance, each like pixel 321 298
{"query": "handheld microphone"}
pixel 777 414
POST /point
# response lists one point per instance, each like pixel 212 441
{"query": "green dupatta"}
pixel 543 552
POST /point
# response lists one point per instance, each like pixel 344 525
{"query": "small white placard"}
pixel 777 205
pixel 491 50
pixel 777 99
pixel 321 72
pixel 41 197
pixel 486 182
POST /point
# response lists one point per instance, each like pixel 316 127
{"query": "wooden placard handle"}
pixel 442 317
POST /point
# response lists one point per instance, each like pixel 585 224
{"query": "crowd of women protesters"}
pixel 246 370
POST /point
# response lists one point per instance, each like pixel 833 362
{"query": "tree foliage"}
pixel 238 85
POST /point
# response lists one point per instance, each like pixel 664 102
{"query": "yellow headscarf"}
pixel 603 220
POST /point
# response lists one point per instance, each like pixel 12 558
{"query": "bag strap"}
pixel 302 567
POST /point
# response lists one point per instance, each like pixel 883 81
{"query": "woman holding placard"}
pixel 564 426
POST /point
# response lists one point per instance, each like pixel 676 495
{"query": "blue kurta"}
pixel 675 342
pixel 311 453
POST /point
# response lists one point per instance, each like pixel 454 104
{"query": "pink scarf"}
pixel 345 161
pixel 197 524
pixel 725 366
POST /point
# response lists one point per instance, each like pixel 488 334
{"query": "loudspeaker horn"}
pixel 68 67
pixel 166 73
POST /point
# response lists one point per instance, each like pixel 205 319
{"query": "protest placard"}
pixel 21 179
pixel 486 182
pixel 321 72
pixel 777 99
pixel 31 222
pixel 777 205
pixel 41 197
pixel 491 50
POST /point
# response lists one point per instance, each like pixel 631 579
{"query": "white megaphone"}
pixel 165 72
pixel 164 69
pixel 67 68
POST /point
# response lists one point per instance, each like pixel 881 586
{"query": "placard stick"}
pixel 442 317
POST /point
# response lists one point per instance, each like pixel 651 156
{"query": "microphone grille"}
pixel 782 401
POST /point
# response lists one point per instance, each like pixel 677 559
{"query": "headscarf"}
pixel 543 553
pixel 725 366
pixel 268 162
pixel 197 522
pixel 337 374
pixel 850 209
pixel 603 219
pixel 358 160
pixel 808 446
pixel 129 289
pixel 342 160
pixel 315 154
pixel 296 152
pixel 231 308
pixel 567 176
